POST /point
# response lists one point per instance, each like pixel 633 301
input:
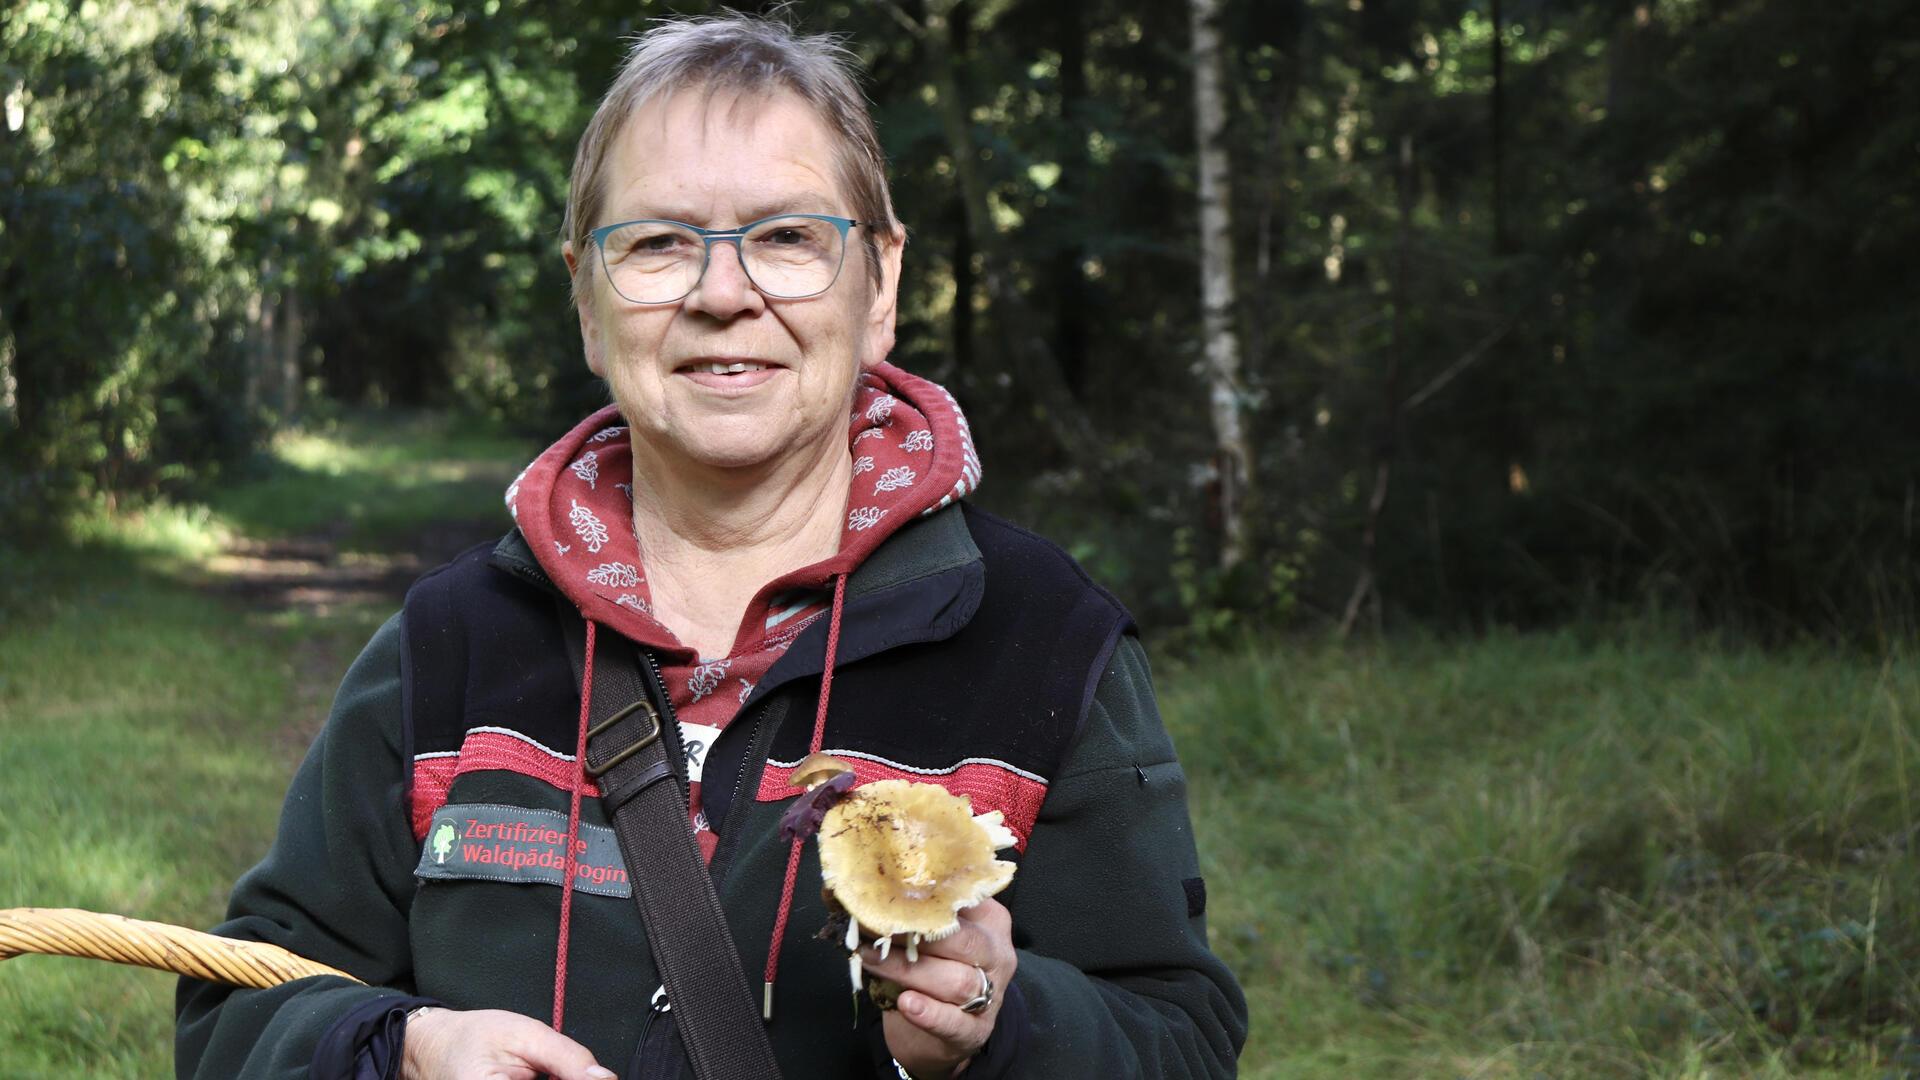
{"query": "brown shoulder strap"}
pixel 629 754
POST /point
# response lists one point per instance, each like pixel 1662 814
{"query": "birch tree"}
pixel 1233 455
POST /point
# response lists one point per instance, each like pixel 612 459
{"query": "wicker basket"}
pixel 90 934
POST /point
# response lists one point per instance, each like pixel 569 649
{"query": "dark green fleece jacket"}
pixel 1115 978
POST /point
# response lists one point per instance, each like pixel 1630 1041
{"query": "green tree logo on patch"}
pixel 442 841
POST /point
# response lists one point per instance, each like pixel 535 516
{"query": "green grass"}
pixel 372 476
pixel 148 728
pixel 1626 854
pixel 1606 854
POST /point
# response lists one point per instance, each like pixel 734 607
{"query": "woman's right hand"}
pixel 491 1044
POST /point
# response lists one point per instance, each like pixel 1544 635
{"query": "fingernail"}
pixel 599 1073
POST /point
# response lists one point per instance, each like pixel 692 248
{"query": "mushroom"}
pixel 816 769
pixel 897 859
pixel 901 859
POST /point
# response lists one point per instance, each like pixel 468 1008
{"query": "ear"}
pixel 885 303
pixel 583 305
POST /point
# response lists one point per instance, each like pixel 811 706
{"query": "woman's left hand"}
pixel 926 1032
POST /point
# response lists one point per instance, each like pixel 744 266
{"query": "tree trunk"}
pixel 961 319
pixel 18 401
pixel 1070 299
pixel 261 312
pixel 18 405
pixel 1366 587
pixel 964 283
pixel 1497 107
pixel 1030 361
pixel 286 355
pixel 1233 455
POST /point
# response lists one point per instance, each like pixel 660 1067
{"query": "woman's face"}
pixel 720 162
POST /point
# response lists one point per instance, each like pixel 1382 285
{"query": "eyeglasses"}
pixel 789 257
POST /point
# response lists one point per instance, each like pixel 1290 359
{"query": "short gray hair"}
pixel 750 55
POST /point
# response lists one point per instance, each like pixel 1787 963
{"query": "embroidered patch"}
pixel 492 842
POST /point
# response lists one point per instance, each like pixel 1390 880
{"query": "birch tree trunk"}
pixel 1233 457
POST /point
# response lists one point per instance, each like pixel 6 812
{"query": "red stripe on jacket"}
pixel 482 750
pixel 988 785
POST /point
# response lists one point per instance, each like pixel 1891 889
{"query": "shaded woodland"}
pixel 1345 313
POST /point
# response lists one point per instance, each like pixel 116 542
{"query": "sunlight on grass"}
pixel 147 728
pixel 368 477
pixel 180 533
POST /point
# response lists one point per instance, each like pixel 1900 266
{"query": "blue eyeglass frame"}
pixel 725 236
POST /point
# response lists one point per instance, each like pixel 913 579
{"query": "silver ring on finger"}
pixel 978 1003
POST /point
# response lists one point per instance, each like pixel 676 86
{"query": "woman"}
pixel 772 514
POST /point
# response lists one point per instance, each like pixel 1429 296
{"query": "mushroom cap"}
pixel 903 858
pixel 817 768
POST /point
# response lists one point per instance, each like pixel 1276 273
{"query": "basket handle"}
pixel 161 946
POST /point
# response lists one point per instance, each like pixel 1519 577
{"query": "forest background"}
pixel 1598 309
pixel 1494 327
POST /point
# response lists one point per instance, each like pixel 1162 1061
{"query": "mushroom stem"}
pixel 853 956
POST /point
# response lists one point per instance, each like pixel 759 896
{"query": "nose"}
pixel 724 291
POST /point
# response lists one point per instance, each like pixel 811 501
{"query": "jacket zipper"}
pixel 653 1056
pixel 532 575
pixel 756 755
pixel 746 763
pixel 669 723
pixel 752 762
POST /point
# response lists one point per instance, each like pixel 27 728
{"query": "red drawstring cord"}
pixel 793 853
pixel 813 747
pixel 573 833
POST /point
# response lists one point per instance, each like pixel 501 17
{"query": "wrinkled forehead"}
pixel 709 141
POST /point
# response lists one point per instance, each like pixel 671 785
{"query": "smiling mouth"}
pixel 722 367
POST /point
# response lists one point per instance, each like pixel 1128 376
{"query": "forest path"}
pixel 314 574
pixel 315 579
pixel 323 533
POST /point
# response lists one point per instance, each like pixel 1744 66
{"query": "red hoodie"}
pixel 912 454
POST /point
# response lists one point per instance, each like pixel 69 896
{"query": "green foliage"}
pixel 1224 605
pixel 115 359
pixel 1640 335
pixel 1688 360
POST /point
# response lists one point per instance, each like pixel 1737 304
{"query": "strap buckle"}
pixel 594 770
